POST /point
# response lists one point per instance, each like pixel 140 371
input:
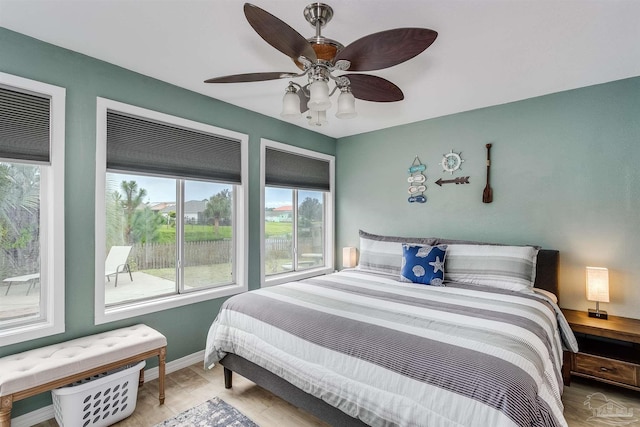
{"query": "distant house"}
pixel 280 214
pixel 162 207
pixel 193 210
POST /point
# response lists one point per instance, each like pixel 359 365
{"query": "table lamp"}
pixel 349 257
pixel 598 290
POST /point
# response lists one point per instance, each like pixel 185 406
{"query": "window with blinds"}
pixel 298 212
pixel 32 116
pixel 170 191
pixel 24 126
pixel 136 144
pixel 292 170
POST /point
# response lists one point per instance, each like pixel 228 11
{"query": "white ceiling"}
pixel 488 52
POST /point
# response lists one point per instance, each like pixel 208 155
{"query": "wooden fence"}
pixel 163 255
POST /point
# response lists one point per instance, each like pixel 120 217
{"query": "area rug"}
pixel 212 413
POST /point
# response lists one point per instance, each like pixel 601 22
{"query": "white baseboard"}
pixel 46 413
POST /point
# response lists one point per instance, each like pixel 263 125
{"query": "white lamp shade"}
pixel 290 106
pixel 319 96
pixel 349 257
pixel 317 118
pixel 597 284
pixel 346 106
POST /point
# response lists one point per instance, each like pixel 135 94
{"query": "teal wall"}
pixel 565 175
pixel 86 78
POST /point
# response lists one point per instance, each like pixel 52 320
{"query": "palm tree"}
pixel 145 225
pixel 218 207
pixel 19 217
pixel 133 198
pixel 115 215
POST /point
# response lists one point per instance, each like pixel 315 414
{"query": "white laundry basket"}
pixel 98 401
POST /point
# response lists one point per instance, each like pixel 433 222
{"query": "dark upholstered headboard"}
pixel 547 270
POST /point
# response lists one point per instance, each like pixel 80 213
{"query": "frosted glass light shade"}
pixel 597 284
pixel 319 96
pixel 349 257
pixel 290 106
pixel 346 106
pixel 317 118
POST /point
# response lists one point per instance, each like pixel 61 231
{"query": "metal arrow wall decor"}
pixel 459 180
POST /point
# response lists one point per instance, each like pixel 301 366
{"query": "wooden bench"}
pixel 36 371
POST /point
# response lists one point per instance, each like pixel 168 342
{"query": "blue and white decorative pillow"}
pixel 423 264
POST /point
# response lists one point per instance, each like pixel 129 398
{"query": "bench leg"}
pixel 6 402
pixel 161 361
pixel 141 379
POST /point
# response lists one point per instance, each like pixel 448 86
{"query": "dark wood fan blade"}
pixel 278 34
pixel 386 48
pixel 373 88
pixel 250 77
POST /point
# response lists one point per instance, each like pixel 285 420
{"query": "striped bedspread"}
pixel 400 354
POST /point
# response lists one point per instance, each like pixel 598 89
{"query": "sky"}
pixel 164 190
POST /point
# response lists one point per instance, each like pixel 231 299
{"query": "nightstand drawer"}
pixel 601 367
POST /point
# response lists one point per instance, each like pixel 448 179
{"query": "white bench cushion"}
pixel 31 368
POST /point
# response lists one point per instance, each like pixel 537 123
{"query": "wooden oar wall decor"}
pixel 487 194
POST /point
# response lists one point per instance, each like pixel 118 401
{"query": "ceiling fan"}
pixel 319 58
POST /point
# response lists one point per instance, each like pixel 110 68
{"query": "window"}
pixel 170 212
pixel 297 213
pixel 32 116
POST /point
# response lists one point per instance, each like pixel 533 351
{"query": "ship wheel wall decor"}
pixel 451 161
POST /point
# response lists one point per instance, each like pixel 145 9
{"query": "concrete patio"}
pixel 18 304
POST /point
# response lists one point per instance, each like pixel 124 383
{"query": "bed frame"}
pixel 546 278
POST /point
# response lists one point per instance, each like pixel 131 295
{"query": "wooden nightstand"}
pixel 609 349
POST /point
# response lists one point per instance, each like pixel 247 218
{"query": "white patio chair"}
pixel 31 278
pixel 116 262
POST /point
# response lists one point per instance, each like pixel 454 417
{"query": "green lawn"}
pixel 202 233
pixel 272 229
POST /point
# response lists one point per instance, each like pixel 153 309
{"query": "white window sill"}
pixel 139 308
pixel 278 279
pixel 29 332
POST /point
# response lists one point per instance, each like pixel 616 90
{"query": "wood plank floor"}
pixel 193 385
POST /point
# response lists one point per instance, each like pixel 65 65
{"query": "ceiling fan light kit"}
pixel 320 59
pixel 290 104
pixel 317 118
pixel 319 96
pixel 346 105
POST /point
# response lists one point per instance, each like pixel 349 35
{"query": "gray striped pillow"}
pixel 384 253
pixel 505 267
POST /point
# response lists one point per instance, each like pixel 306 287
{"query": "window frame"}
pixel 104 314
pixel 329 212
pixel 52 232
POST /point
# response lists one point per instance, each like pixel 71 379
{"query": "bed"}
pixel 361 347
